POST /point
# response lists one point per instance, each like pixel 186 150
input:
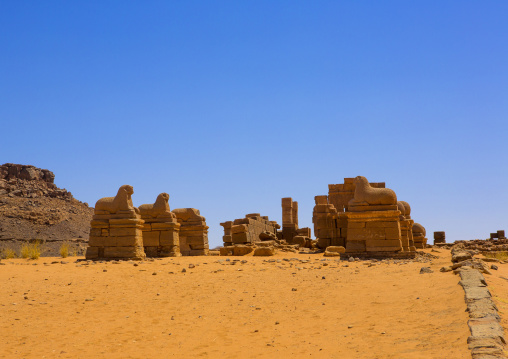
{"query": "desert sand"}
pixel 289 305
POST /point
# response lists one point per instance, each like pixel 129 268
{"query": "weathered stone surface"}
pixel 92 253
pixel 251 229
pixel 151 238
pixel 355 246
pixel 193 231
pixel 264 251
pixel 124 252
pixel 334 251
pixel 366 195
pixel 241 250
pixel 461 256
pixel 487 336
pixel 226 251
pixel 121 202
pixel 267 236
pixel 158 209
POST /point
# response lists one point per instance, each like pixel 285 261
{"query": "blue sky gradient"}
pixel 231 105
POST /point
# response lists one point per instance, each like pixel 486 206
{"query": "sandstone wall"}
pixel 193 235
pixel 249 229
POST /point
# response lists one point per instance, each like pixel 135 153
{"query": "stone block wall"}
pixel 326 226
pixel 161 228
pixel 289 219
pixel 367 220
pixel 373 231
pixel 193 235
pixel 340 194
pixel 248 230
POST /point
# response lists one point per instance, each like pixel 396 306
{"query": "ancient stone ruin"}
pixel 406 226
pixel 249 230
pixel 161 229
pixel 365 218
pixel 498 235
pixel 116 228
pixel 193 232
pixel 121 231
pixel 327 228
pixel 290 231
pixel 419 238
pixel 439 237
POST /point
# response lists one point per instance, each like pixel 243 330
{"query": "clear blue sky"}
pixel 231 105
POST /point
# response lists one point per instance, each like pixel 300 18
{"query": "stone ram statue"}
pixel 188 214
pixel 159 209
pixel 121 202
pixel 367 195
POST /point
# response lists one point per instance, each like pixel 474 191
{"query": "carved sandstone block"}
pixel 355 246
pixel 151 239
pixel 96 241
pixel 169 238
pixel 362 234
pixel 124 252
pixel 383 243
pixel 125 231
pixel 92 253
pixel 125 241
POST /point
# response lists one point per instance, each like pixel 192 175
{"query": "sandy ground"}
pixel 284 308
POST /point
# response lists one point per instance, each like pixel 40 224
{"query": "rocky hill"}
pixel 32 207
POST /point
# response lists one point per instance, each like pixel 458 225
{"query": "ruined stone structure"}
pixel 251 229
pixel 290 231
pixel 365 218
pixel 326 223
pixel 116 228
pixel 289 219
pixel 419 236
pixel 373 223
pixel 121 231
pixel 439 237
pixel 406 226
pixel 161 229
pixel 193 232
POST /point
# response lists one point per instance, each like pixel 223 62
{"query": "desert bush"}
pixel 8 253
pixel 31 250
pixel 64 249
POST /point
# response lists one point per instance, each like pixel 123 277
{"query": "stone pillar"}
pixel 439 237
pixel 324 217
pixel 161 238
pixel 193 232
pixel 419 236
pixel 161 229
pixel 289 219
pixel 227 238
